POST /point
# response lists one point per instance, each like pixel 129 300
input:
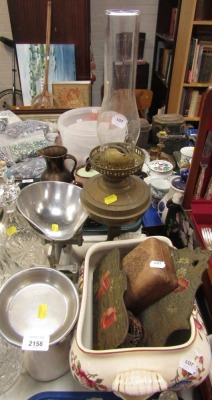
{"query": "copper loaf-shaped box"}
pixel 150 273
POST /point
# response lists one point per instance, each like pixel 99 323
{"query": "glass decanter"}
pixel 21 246
pixel 8 195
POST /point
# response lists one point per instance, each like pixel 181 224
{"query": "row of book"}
pixel 164 63
pixel 191 102
pixel 203 10
pixel 199 64
pixel 124 45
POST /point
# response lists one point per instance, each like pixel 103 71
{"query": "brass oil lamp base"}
pixel 116 196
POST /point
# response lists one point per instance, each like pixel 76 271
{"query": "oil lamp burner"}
pixel 116 196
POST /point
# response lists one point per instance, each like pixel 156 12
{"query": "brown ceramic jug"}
pixel 56 169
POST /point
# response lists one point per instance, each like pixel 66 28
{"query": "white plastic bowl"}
pixel 78 131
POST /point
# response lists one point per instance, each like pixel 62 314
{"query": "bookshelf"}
pixel 171 88
pixel 164 52
pixel 191 28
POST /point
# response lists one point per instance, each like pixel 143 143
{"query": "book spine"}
pixel 203 10
pixel 205 74
pixel 182 103
pixel 187 101
pixel 173 22
pixel 160 47
pixel 193 103
pixel 200 10
pixel 194 64
pixel 165 60
pixel 196 112
pixel 169 66
pixel 199 57
pixel 201 105
pixel 160 61
pixel 189 61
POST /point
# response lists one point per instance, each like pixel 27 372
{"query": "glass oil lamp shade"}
pixel 118 119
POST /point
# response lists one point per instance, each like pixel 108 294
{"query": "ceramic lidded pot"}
pixel 176 191
pixel 177 185
pixel 158 187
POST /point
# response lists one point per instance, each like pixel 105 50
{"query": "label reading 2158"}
pixel 35 343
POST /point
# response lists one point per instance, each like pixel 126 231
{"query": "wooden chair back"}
pixel 143 100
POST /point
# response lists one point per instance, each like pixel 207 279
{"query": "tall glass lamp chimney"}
pixel 118 119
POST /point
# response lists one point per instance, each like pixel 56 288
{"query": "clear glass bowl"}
pixel 11 363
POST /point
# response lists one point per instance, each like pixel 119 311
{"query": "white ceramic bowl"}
pixel 137 371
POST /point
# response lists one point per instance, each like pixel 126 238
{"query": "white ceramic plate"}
pixel 160 166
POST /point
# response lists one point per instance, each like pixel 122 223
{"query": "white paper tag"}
pixel 188 365
pixel 35 343
pixel 157 264
pixel 119 120
pixel 27 180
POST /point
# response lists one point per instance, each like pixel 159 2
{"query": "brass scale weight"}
pixel 116 196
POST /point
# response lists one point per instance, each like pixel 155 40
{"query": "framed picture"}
pixel 72 94
pixel 31 63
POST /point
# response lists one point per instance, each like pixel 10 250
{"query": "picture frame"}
pixel 72 94
pixel 44 115
pixel 31 64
